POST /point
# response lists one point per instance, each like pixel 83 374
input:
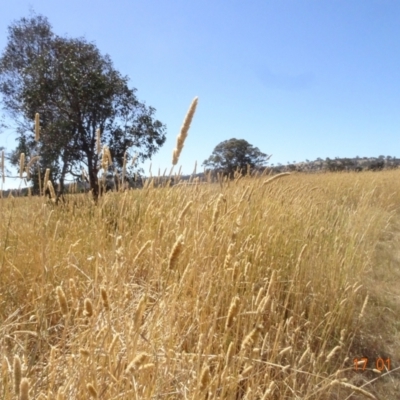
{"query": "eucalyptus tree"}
pixel 76 91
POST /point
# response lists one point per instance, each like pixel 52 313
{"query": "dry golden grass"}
pixel 2 166
pixel 37 126
pixel 233 290
pixel 21 164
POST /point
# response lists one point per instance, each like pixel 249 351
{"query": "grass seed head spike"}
pixel 24 389
pixel 92 391
pixel 17 374
pixel 124 169
pixel 175 156
pixel 109 156
pixel 195 167
pixel 134 158
pixel 355 388
pixel 139 312
pixel 37 127
pixel 204 378
pixel 183 212
pixel 363 307
pixel 176 250
pixel 21 164
pixel 229 353
pixel 276 177
pixel 98 141
pixel 332 353
pixel 28 167
pixel 88 308
pixel 2 165
pixel 51 189
pixel 113 343
pixel 142 250
pixel 139 360
pixel 60 393
pixel 73 289
pixel 104 297
pixel 233 311
pixel 84 352
pixel 184 131
pixel 104 158
pixel 62 300
pixel 250 339
pixel 46 178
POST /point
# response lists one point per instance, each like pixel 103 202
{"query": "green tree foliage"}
pixel 234 154
pixel 76 91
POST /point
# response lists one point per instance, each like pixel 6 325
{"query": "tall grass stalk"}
pixel 21 164
pixel 2 167
pixel 37 127
pixel 184 132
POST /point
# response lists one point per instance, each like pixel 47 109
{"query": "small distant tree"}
pixel 376 165
pixel 234 154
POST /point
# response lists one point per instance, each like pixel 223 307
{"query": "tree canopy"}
pixel 76 91
pixel 235 154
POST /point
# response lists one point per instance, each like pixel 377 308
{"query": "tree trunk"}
pixel 60 192
pixel 93 180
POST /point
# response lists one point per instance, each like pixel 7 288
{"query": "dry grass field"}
pixel 235 290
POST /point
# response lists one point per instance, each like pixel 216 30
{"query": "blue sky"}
pixel 299 79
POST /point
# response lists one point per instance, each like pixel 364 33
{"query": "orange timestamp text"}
pixel 380 364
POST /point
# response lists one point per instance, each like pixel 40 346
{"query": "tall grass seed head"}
pixel 62 300
pixel 37 127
